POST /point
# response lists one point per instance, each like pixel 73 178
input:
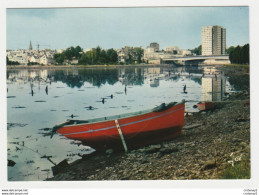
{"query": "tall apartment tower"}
pixel 213 40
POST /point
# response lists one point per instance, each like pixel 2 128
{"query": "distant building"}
pixel 124 54
pixel 155 46
pixel 172 49
pixel 25 56
pixel 152 54
pixel 20 56
pixel 213 40
pixel 46 60
pixel 127 53
pixel 185 52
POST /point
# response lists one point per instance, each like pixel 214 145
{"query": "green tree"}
pixel 59 58
pixel 112 56
pixel 78 52
pixel 139 52
pixel 228 50
pixel 239 55
pixel 8 62
pixel 197 50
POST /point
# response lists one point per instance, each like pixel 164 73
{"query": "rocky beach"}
pixel 211 142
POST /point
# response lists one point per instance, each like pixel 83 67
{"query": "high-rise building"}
pixel 213 40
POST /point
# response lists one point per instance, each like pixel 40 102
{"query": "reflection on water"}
pixel 213 88
pixel 213 85
pixel 39 99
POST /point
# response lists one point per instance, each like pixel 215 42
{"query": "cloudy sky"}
pixel 59 28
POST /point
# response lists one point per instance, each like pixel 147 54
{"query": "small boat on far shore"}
pixel 127 131
pixel 205 106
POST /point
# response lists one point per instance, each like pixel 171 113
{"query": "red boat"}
pixel 127 131
pixel 206 105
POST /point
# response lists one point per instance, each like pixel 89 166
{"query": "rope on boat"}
pixel 121 135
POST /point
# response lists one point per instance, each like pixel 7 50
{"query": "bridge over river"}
pixel 197 60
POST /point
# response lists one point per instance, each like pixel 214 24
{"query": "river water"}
pixel 41 98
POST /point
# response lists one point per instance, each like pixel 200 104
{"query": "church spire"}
pixel 30 48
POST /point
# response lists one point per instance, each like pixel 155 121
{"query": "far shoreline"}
pixel 8 67
pixel 11 67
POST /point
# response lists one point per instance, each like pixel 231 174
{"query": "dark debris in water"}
pixel 19 107
pixel 46 134
pixel 90 108
pixel 72 116
pixel 11 125
pixel 29 162
pixel 40 101
pixel 46 129
pixel 45 156
pixel 46 170
pixel 11 163
pixel 11 96
pixel 73 154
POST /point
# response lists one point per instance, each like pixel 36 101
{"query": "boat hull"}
pixel 136 131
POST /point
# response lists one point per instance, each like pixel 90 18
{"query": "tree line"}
pixel 239 54
pixel 94 56
pixel 97 56
pixel 69 54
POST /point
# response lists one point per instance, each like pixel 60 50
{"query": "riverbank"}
pixel 206 147
pixel 10 67
pixel 78 66
pixel 211 144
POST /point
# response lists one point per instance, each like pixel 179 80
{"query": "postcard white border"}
pixel 190 184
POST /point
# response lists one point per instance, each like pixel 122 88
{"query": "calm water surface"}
pixel 39 99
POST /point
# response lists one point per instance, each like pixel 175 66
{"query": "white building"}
pixel 20 56
pixel 213 40
pixel 172 49
pixel 46 60
pixel 152 55
pixel 25 56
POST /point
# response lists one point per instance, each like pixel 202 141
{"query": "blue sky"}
pixel 118 27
